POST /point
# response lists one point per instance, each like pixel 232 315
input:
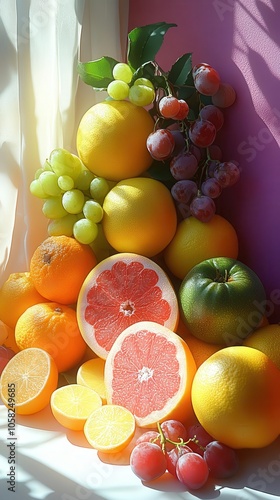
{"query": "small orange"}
pixel 53 327
pixel 267 340
pixel 28 380
pixel 58 267
pixel 17 294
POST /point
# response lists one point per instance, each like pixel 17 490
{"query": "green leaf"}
pixel 144 43
pixel 181 70
pixel 99 73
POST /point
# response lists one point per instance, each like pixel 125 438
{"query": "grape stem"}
pixel 177 444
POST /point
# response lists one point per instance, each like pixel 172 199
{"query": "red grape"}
pixel 184 190
pixel 180 142
pixel 215 152
pixel 149 437
pixel 213 115
pixel 222 460
pixel 148 461
pixel 206 79
pixel 203 208
pixel 184 210
pixel 202 133
pixel 192 470
pixel 173 456
pixel 225 96
pixel 211 187
pixel 183 111
pixel 202 436
pixel 175 431
pixel 160 144
pixel 183 166
pixel 169 106
pixel 227 174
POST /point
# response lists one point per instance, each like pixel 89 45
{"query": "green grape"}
pixel 49 184
pixel 84 179
pixel 73 201
pixel 65 163
pixel 145 82
pixel 118 90
pixel 53 208
pixel 47 166
pixel 65 182
pixel 122 71
pixel 141 95
pixel 36 189
pixel 93 210
pixel 62 226
pixel 99 187
pixel 85 231
pixel 38 173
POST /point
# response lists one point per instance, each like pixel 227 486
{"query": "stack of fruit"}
pixel 135 313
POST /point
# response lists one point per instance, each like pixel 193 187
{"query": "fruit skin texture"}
pixel 111 139
pixel 218 300
pixel 17 294
pixel 52 327
pixel 267 340
pixel 139 216
pixel 235 396
pixel 59 266
pixel 195 241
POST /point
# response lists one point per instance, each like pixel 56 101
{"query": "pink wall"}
pixel 240 39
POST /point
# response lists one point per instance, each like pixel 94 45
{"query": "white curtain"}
pixel 42 101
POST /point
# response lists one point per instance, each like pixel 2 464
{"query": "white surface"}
pixel 53 464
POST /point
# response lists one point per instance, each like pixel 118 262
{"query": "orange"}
pixel 54 328
pixel 33 375
pixel 72 404
pixel 110 428
pixel 59 266
pixel 121 290
pixel 149 370
pixel 267 340
pixel 235 396
pixel 91 374
pixel 139 216
pixel 111 139
pixel 17 294
pixel 196 241
pixel 200 350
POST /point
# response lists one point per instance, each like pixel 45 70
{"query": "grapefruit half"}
pixel 149 370
pixel 121 290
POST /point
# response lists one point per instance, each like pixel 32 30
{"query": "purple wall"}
pixel 240 39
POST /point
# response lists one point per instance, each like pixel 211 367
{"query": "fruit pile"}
pixel 143 328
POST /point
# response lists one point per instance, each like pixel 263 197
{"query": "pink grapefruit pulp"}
pixel 149 370
pixel 121 290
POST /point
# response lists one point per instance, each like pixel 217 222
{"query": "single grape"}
pixel 148 461
pixel 183 166
pixel 62 226
pixel 141 95
pixel 65 163
pixel 183 111
pixel 37 190
pixel 180 142
pixel 85 231
pixel 173 455
pixel 38 173
pixel 145 82
pixel 169 106
pixel 47 167
pixel 48 181
pixel 206 80
pixel 203 437
pixel 222 460
pixel 149 437
pixel 160 144
pixel 211 187
pixel 65 182
pixel 122 71
pixel 215 152
pixel 192 470
pixel 184 191
pixel 93 210
pixel 212 114
pixel 225 96
pixel 175 431
pixel 227 174
pixel 53 208
pixel 99 187
pixel 203 208
pixel 202 133
pixel 84 179
pixel 73 201
pixel 118 90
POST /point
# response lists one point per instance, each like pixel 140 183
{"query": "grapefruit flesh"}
pixel 122 290
pixel 149 370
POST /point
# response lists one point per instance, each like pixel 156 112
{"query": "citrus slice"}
pixel 122 290
pixel 149 370
pixel 110 428
pixel 28 381
pixel 91 374
pixel 72 404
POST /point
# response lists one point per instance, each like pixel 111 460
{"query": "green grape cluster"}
pixel 72 197
pixel 141 92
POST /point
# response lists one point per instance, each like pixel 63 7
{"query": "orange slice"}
pixel 91 374
pixel 28 380
pixel 149 370
pixel 72 404
pixel 122 290
pixel 110 428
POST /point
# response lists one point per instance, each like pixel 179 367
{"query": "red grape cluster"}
pixel 186 144
pixel 191 455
